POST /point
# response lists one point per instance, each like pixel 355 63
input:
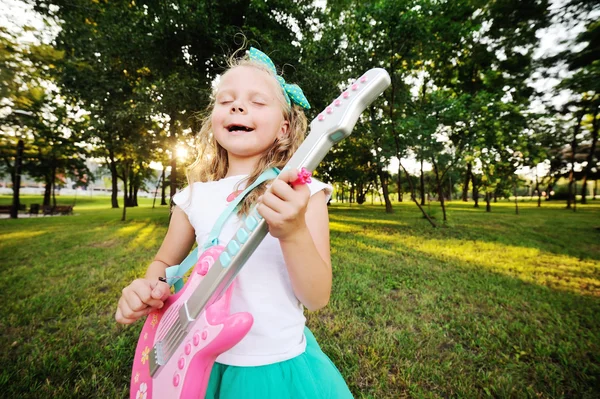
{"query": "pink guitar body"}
pixel 215 331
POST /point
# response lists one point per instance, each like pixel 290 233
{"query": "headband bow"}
pixel 292 93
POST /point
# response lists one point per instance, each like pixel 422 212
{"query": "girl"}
pixel 256 123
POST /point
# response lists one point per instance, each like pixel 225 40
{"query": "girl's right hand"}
pixel 140 298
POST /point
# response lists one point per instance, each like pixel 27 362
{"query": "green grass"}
pixel 495 305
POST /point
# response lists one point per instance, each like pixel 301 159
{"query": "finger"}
pixel 140 296
pixel 133 317
pixel 267 213
pixel 282 189
pixel 126 315
pixel 295 198
pixel 273 202
pixel 122 319
pixel 161 291
pixel 132 301
pixel 288 176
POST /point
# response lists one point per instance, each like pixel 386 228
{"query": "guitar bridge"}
pixel 164 349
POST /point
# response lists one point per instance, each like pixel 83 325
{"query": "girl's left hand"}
pixel 284 205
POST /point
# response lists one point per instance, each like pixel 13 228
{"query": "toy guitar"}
pixel 180 342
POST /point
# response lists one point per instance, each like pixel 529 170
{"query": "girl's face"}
pixel 248 115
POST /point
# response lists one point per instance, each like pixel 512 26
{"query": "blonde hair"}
pixel 211 163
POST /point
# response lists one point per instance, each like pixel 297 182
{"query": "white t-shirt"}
pixel 262 287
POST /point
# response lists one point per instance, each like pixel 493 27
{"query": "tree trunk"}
pixel 574 195
pixel 595 187
pixel 571 193
pixel 516 200
pixel 136 188
pixel 47 190
pixel 156 190
pixel 439 188
pixel 163 187
pixel 130 192
pixel 115 180
pixel 475 193
pixel 399 182
pixel 361 194
pixel 488 206
pixel 412 189
pixel 465 193
pixel 584 190
pixel 386 194
pixel 173 141
pixel 590 157
pixel 422 188
pixel 125 174
pixel 53 186
pixel 16 200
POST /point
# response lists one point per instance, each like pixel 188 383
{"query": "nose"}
pixel 237 108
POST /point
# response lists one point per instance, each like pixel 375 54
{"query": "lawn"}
pixel 493 305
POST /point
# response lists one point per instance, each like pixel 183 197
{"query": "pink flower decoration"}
pixel 303 177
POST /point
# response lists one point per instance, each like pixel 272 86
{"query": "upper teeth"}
pixel 238 127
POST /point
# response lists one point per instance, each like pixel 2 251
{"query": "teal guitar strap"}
pixel 175 273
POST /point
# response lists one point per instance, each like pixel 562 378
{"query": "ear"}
pixel 283 130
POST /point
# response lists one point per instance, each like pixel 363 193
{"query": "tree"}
pixel 163 60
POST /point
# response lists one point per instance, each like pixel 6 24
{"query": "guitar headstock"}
pixel 339 117
pixel 337 120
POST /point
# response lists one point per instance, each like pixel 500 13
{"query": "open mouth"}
pixel 239 128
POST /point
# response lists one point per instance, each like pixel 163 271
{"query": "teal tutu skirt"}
pixel 311 375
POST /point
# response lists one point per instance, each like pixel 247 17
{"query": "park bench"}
pixel 7 208
pixel 58 209
pixel 34 209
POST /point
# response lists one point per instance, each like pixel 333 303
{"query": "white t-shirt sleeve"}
pixel 317 185
pixel 182 199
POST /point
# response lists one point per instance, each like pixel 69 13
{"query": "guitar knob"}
pixel 181 363
pixel 205 264
pixel 176 379
pixel 196 339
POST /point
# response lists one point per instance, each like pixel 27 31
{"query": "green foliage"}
pixel 460 77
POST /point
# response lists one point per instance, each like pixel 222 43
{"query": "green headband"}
pixel 293 93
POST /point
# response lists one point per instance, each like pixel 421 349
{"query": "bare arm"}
pixel 301 224
pixel 145 294
pixel 307 255
pixel 175 246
